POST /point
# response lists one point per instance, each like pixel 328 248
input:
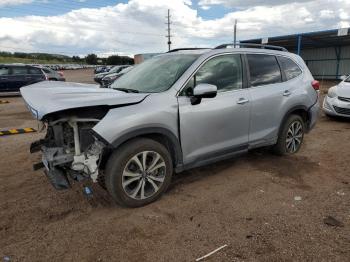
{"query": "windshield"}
pixel 156 74
pixel 115 69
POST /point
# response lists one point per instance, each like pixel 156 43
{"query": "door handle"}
pixel 4 78
pixel 287 93
pixel 242 101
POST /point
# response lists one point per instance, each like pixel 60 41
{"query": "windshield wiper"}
pixel 127 90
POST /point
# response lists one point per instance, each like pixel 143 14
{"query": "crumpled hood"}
pixel 343 89
pixel 50 96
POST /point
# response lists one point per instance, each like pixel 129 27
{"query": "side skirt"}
pixel 213 158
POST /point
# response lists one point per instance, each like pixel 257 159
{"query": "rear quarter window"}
pixel 264 69
pixel 290 68
pixel 34 71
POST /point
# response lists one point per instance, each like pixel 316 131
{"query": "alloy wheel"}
pixel 294 138
pixel 143 175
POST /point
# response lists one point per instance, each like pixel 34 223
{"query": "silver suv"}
pixel 176 111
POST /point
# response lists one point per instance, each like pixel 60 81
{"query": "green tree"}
pixel 119 60
pixel 114 60
pixel 76 59
pixel 91 59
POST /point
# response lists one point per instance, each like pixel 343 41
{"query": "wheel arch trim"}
pixel 147 131
pixel 289 112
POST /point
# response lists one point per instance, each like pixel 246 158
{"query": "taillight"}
pixel 316 85
pixel 60 73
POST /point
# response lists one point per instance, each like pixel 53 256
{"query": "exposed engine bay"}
pixel 69 150
pixel 69 112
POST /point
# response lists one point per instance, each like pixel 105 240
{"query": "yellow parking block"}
pixel 4 102
pixel 17 131
pixel 13 131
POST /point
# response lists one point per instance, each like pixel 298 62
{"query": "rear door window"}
pixel 19 70
pixel 291 69
pixel 4 70
pixel 264 69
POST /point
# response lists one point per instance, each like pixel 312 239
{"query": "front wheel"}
pixel 139 172
pixel 291 136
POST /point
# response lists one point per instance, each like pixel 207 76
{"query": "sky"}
pixel 128 27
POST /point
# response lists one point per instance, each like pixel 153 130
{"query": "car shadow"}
pixel 288 169
pixel 338 119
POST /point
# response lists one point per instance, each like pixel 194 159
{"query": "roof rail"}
pixel 273 47
pixel 189 48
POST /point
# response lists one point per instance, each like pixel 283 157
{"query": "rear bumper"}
pixel 314 112
pixel 336 107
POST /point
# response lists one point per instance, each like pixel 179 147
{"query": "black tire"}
pixel 118 162
pixel 280 148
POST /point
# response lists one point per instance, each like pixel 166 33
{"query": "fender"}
pixel 175 143
pixel 286 115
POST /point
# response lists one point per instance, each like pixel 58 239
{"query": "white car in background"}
pixel 337 101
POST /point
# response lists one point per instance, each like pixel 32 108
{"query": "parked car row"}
pixel 64 66
pixel 102 69
pixel 114 70
pixel 111 77
pixel 15 76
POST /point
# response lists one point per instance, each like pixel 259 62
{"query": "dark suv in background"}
pixel 13 77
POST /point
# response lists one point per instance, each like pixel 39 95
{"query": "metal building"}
pixel 327 53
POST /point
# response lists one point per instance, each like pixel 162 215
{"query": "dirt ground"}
pixel 247 203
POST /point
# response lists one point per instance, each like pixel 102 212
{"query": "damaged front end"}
pixel 70 150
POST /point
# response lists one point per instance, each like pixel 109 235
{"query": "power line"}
pixel 169 35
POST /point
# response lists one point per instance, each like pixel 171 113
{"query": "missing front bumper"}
pixel 57 179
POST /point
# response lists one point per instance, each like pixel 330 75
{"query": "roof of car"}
pixel 229 49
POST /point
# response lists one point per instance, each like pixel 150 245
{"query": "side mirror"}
pixel 203 91
pixel 343 78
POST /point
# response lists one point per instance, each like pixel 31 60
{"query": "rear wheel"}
pixel 139 172
pixel 291 136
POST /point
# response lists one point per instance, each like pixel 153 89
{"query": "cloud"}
pixel 250 3
pixel 14 2
pixel 138 26
pixel 326 14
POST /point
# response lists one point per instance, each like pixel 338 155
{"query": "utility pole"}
pixel 235 33
pixel 169 35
